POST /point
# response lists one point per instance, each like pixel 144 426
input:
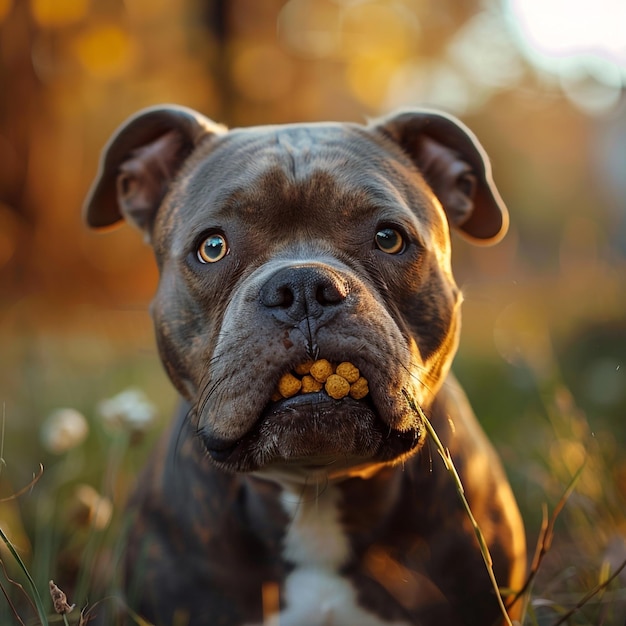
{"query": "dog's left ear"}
pixel 455 166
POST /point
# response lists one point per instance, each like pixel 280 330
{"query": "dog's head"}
pixel 279 245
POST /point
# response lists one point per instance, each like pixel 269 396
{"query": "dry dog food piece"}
pixel 310 385
pixel 337 387
pixel 303 368
pixel 321 370
pixel 289 385
pixel 348 371
pixel 359 389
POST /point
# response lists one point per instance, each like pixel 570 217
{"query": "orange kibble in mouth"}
pixel 359 388
pixel 348 371
pixel 321 370
pixel 289 385
pixel 303 368
pixel 337 387
pixel 314 376
pixel 310 385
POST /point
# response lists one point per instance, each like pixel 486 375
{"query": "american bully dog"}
pixel 280 496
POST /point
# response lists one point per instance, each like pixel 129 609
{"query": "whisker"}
pixel 179 435
pixel 208 392
pixel 410 371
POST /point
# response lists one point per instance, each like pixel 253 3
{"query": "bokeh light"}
pixel 554 29
pixel 57 13
pixel 105 50
pixel 5 7
pixel 581 41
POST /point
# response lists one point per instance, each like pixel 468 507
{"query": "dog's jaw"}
pixel 316 435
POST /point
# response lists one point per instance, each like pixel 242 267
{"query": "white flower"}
pixel 129 409
pixel 63 430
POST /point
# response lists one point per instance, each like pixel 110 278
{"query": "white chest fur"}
pixel 315 594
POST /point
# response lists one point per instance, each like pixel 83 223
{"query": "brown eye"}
pixel 214 248
pixel 390 241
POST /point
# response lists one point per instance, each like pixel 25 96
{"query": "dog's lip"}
pixel 221 449
pixel 317 399
pixel 229 453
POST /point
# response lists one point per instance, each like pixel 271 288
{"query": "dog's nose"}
pixel 303 292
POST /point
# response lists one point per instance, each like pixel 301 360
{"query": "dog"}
pixel 278 246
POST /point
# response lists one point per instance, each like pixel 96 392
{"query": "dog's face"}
pixel 279 245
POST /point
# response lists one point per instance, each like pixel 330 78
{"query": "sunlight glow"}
pixel 582 42
pixel 557 28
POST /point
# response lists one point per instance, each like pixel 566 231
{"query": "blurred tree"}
pixel 214 15
pixel 19 96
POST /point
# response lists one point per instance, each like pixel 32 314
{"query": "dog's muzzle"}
pixel 325 341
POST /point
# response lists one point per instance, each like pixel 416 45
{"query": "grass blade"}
pixel 599 587
pixel 33 588
pixel 447 460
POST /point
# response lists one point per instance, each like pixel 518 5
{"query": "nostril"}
pixel 277 296
pixel 328 294
pixel 286 297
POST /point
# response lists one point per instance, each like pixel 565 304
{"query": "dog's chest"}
pixel 315 593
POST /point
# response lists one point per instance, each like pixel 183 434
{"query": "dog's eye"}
pixel 214 248
pixel 390 241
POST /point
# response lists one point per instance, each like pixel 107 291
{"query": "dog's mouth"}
pixel 321 416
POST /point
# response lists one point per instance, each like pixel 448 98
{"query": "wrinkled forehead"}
pixel 304 174
pixel 296 149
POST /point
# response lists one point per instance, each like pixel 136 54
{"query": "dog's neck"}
pixel 361 504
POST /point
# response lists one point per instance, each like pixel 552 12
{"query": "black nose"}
pixel 304 292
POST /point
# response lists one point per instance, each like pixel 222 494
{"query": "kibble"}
pixel 310 385
pixel 359 389
pixel 348 371
pixel 313 376
pixel 303 368
pixel 289 385
pixel 337 387
pixel 321 370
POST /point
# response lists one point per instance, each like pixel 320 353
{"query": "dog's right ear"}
pixel 139 163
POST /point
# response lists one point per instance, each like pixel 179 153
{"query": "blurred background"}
pixel 543 351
